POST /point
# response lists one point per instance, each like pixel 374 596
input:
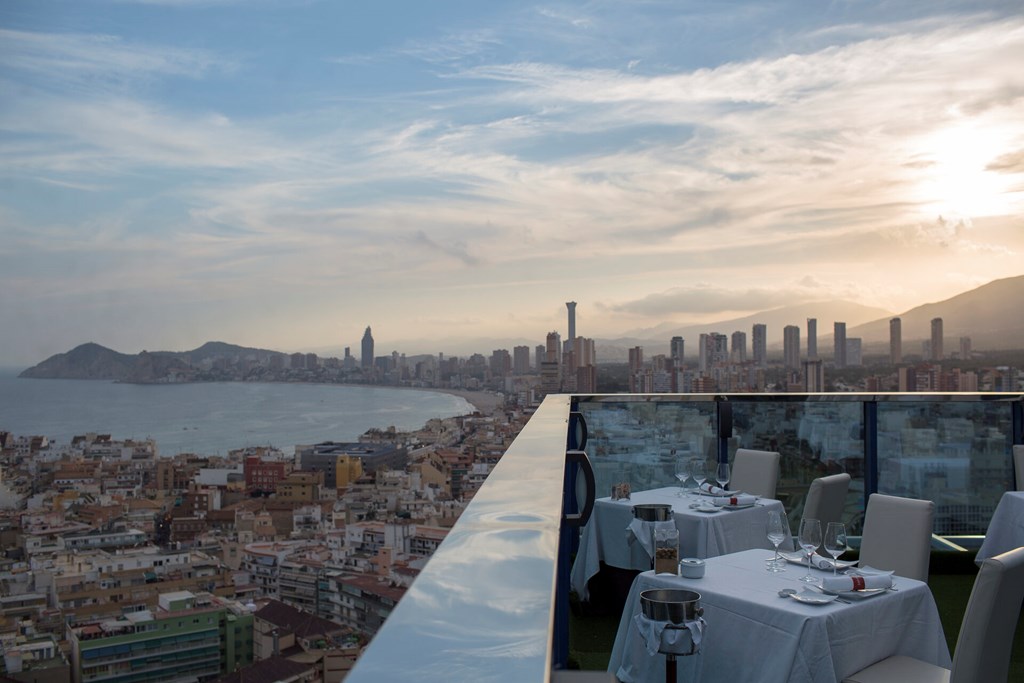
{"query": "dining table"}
pixel 705 530
pixel 1006 528
pixel 752 633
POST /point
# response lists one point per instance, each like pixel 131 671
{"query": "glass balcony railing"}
pixel 492 602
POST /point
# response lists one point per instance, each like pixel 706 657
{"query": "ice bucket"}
pixel 652 512
pixel 671 605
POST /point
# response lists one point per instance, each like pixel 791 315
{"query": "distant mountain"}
pixel 87 361
pixel 991 315
pixel 92 361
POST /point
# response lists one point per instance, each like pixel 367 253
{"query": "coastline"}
pixel 486 402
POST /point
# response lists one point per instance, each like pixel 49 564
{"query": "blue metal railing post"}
pixel 870 450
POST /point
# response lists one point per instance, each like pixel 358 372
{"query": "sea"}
pixel 214 418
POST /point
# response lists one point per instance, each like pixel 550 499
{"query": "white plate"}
pixel 723 494
pixel 813 598
pixel 738 507
pixel 707 508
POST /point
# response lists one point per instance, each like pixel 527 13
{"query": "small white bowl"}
pixel 691 568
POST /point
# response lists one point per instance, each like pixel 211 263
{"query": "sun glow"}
pixel 953 179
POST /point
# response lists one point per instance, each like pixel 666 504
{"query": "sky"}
pixel 283 174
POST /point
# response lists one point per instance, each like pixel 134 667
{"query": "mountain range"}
pixel 991 315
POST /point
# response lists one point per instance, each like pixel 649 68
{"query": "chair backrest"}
pixel 1018 465
pixel 985 644
pixel 755 472
pixel 898 535
pixel 826 498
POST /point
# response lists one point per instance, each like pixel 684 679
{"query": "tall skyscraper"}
pixel 791 347
pixel 571 306
pixel 937 339
pixel 760 340
pixel 676 350
pixel 739 347
pixel 553 350
pixel 814 375
pixel 839 352
pixel 812 338
pixel 367 348
pixel 965 350
pixel 521 360
pixel 895 341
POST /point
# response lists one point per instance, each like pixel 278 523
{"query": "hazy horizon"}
pixel 281 175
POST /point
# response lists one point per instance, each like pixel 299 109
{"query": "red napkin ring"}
pixel 734 501
pixel 858 583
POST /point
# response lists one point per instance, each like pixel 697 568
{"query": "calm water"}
pixel 213 418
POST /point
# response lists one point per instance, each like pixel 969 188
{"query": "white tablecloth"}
pixel 1006 529
pixel 754 635
pixel 701 534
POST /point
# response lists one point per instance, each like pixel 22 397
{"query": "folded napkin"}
pixel 742 499
pixel 680 640
pixel 838 584
pixel 639 530
pixel 822 562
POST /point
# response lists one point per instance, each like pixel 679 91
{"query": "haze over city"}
pixel 283 174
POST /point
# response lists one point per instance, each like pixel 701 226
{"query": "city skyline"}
pixel 284 175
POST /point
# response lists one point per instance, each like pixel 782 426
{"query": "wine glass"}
pixel 835 542
pixel 682 473
pixel 810 539
pixel 776 528
pixel 722 475
pixel 698 472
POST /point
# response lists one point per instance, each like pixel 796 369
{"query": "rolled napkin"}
pixel 713 490
pixel 742 499
pixel 839 584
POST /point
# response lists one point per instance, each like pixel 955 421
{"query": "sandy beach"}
pixel 486 402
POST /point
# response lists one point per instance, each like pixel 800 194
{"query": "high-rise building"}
pixel 854 358
pixel 552 349
pixel 539 356
pixel 937 339
pixel 367 349
pixel 521 360
pixel 714 351
pixel 812 338
pixel 839 343
pixel 895 341
pixel 571 306
pixel 965 350
pixel 739 347
pixel 760 341
pixel 814 375
pixel 676 350
pixel 791 347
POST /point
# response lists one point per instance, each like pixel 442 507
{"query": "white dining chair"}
pixel 985 644
pixel 897 535
pixel 1018 465
pixel 826 498
pixel 755 472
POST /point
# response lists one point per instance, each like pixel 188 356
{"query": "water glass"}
pixel 682 473
pixel 810 539
pixel 835 542
pixel 776 528
pixel 722 475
